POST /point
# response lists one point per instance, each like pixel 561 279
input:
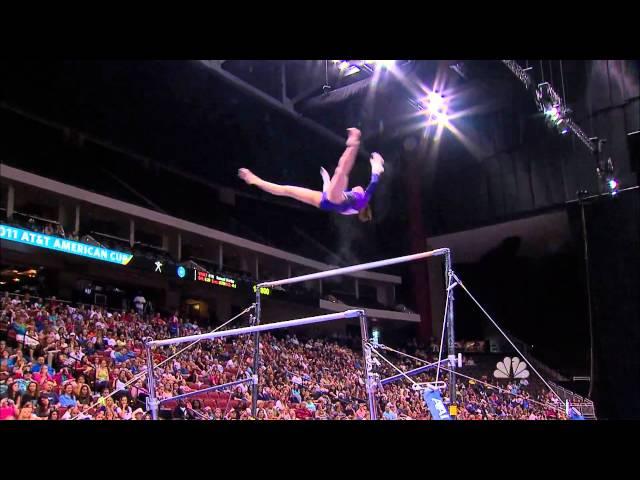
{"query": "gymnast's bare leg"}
pixel 340 180
pixel 305 195
pixel 338 185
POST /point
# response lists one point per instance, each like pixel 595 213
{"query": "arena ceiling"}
pixel 207 118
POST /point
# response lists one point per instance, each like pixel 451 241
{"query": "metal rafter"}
pixel 285 107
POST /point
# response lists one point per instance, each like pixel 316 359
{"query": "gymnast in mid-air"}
pixel 334 196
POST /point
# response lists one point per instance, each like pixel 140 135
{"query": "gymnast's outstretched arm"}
pixel 377 168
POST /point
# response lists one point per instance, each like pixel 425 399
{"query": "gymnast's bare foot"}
pixel 353 140
pixel 377 163
pixel 248 176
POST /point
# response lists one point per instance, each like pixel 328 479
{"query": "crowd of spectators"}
pixel 61 362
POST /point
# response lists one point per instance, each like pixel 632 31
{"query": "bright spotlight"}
pixel 386 63
pixel 381 63
pixel 343 66
pixel 436 107
pixel 613 184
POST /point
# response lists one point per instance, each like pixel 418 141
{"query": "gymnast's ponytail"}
pixel 365 214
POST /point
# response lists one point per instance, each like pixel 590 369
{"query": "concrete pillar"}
pixel 76 223
pixel 220 256
pixel 62 216
pixel 415 179
pixel 11 201
pixel 132 232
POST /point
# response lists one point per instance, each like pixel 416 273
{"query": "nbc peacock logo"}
pixel 511 368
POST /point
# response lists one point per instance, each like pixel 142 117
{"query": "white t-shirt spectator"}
pixel 139 302
pixel 124 414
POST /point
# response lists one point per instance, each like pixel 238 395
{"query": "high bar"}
pixel 260 328
pixel 355 268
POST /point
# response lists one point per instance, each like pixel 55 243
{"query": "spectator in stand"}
pixel 30 395
pixel 174 324
pixel 8 409
pixel 14 394
pixel 85 397
pixel 44 407
pixel 102 376
pixel 68 398
pixel 139 302
pixel 27 413
pixel 298 378
pixel 123 411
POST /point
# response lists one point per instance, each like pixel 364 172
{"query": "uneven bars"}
pixel 260 328
pixel 355 268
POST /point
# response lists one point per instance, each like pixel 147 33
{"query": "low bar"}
pixel 206 390
pixel 408 373
pixel 260 328
pixel 355 268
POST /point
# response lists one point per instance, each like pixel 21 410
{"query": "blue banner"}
pixel 435 404
pixel 572 412
pixel 58 244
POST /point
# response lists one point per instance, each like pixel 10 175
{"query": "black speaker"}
pixel 634 150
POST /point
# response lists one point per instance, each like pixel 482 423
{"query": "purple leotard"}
pixel 353 201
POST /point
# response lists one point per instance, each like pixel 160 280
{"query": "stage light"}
pixel 343 65
pixel 385 63
pixel 555 112
pixel 435 106
pixel 613 185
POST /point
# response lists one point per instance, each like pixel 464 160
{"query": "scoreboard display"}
pixel 170 269
pixel 200 276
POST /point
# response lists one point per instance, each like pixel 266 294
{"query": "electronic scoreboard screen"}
pixel 201 276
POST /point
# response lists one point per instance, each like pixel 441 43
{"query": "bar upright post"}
pixel 368 374
pixel 151 384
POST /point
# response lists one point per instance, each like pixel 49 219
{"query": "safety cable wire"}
pixel 394 367
pixel 505 335
pixel 457 372
pixel 564 96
